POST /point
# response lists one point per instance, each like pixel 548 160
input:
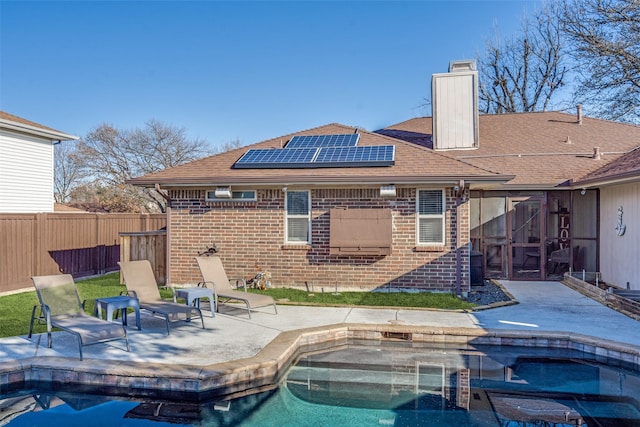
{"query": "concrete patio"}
pixel 232 341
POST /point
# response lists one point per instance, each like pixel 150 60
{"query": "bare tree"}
pixel 524 72
pixel 68 170
pixel 95 197
pixel 605 42
pixel 228 146
pixel 113 155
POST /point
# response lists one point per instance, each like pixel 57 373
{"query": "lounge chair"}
pixel 213 275
pixel 141 283
pixel 61 308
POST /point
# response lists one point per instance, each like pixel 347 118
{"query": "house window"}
pixel 298 218
pixel 430 217
pixel 236 196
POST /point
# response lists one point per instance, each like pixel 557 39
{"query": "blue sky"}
pixel 247 70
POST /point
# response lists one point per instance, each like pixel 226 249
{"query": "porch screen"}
pixel 364 232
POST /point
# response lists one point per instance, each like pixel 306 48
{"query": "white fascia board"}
pixel 36 131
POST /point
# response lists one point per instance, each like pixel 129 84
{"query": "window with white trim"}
pixel 298 217
pixel 430 207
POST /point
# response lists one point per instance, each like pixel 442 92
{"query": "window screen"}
pixel 430 207
pixel 298 217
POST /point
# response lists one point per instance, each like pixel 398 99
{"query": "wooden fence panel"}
pixel 148 245
pixel 17 258
pixel 80 244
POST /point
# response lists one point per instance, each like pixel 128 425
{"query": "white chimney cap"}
pixel 462 65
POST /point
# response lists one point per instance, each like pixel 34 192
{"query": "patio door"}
pixel 525 240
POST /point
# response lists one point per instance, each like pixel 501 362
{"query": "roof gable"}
pixel 626 167
pixel 413 164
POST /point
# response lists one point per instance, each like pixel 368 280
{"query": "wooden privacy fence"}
pixel 149 245
pixel 80 244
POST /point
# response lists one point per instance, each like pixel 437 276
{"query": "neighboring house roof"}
pixel 624 169
pixel 413 165
pixel 59 207
pixel 542 150
pixel 18 124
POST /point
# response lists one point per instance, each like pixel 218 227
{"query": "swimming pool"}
pixel 397 383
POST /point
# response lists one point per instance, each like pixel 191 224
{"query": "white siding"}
pixel 620 255
pixel 455 110
pixel 26 173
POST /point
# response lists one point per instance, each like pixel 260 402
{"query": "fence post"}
pixel 40 240
pixel 125 251
pixel 100 251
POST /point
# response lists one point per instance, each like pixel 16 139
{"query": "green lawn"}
pixel 374 299
pixel 15 310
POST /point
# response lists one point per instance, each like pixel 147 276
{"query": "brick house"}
pixel 281 219
pixel 448 190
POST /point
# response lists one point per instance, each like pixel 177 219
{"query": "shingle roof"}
pixel 544 149
pixel 7 119
pixel 413 164
pixel 626 167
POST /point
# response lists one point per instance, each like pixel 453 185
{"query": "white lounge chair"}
pixel 61 308
pixel 141 283
pixel 213 275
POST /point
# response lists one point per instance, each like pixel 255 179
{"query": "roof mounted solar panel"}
pixel 361 156
pixel 325 157
pixel 320 141
pixel 267 158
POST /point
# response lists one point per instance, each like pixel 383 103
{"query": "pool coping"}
pixel 266 367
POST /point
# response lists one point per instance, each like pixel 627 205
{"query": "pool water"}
pixel 381 384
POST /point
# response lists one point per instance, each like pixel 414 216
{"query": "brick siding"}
pixel 250 236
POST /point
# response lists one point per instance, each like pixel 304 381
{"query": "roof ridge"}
pixel 292 134
pixel 524 113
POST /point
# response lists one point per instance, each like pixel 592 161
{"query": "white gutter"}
pixel 36 131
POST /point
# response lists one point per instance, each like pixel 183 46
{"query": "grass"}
pixel 15 310
pixel 375 299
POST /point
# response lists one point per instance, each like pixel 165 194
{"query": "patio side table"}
pixel 192 296
pixel 113 304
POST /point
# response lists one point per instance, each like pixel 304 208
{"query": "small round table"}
pixel 192 296
pixel 113 304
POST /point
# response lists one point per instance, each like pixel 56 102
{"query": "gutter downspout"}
pixel 168 248
pixel 459 201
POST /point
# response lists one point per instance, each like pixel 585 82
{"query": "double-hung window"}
pixel 298 217
pixel 430 217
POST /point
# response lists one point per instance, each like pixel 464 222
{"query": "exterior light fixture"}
pixel 223 192
pixel 388 191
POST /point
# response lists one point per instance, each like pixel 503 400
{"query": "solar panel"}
pixel 378 155
pixel 264 158
pixel 325 157
pixel 319 141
